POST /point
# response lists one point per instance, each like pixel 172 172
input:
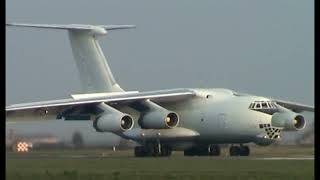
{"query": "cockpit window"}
pixel 251 105
pixel 264 105
pixel 268 107
pixel 258 106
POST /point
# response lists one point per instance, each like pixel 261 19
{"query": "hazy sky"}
pixel 254 46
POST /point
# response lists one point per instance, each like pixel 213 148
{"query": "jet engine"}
pixel 157 117
pixel 112 120
pixel 289 121
pixel 159 120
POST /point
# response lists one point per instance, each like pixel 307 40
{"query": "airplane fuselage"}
pixel 217 116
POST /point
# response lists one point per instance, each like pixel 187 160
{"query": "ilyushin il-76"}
pixel 196 121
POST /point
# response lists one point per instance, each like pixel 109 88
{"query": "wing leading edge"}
pixel 296 107
pixel 156 96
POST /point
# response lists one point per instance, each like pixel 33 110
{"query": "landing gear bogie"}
pixel 211 150
pixel 152 150
pixel 239 150
pixel 214 150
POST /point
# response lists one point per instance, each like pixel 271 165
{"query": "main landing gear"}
pixel 152 149
pixel 239 150
pixel 211 150
pixel 215 150
pixel 163 150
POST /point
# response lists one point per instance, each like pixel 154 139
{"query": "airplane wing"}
pixel 296 107
pixel 120 98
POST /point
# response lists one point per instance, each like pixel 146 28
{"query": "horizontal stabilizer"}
pixel 72 26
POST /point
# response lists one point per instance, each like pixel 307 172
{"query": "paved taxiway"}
pixel 47 156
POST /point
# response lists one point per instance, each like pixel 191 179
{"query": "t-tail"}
pixel 94 71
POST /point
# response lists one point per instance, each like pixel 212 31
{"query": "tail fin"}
pixel 94 71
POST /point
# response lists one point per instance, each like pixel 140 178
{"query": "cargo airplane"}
pixel 196 121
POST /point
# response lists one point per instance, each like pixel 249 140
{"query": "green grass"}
pixel 122 166
pixel 160 168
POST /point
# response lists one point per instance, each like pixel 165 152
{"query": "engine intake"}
pixel 112 120
pixel 172 119
pixel 157 117
pixel 288 121
pixel 159 120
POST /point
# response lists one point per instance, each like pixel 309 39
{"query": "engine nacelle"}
pixel 289 121
pixel 112 120
pixel 159 120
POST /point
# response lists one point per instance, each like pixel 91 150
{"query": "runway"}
pixel 70 156
pixel 278 153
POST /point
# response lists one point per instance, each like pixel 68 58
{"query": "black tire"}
pixel 169 151
pixel 214 150
pixel 189 152
pixel 202 150
pixel 165 150
pixel 155 151
pixel 245 151
pixel 149 150
pixel 197 151
pixel 138 151
pixel 234 151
